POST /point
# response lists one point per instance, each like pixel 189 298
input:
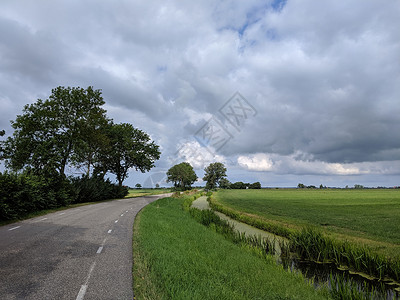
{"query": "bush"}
pixel 21 194
pixel 92 189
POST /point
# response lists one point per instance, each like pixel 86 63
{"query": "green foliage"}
pixel 312 244
pixel 55 132
pixel 21 194
pixel 213 174
pixel 95 188
pixel 182 175
pixel 239 185
pixel 343 288
pixel 255 185
pixel 127 148
pixel 224 183
pixel 71 128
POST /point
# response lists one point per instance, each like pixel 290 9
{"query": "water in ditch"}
pixel 320 273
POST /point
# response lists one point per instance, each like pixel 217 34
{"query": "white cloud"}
pixel 256 162
pixel 303 164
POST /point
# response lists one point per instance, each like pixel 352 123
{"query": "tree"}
pixel 182 175
pixel 52 133
pixel 255 185
pixel 138 186
pixel 128 147
pixel 213 174
pixel 2 133
pixel 224 183
pixel 239 185
pixel 301 186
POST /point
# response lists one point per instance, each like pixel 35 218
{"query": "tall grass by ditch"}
pixel 343 288
pixel 311 244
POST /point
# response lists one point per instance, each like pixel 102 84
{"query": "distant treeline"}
pixel 242 185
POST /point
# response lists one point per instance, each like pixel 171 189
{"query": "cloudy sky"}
pixel 282 92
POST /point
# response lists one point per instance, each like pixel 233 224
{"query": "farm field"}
pixel 132 193
pixel 369 217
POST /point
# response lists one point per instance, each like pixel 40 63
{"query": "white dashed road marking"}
pixel 84 287
pixel 14 228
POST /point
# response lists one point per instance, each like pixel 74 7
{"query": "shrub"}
pixel 95 188
pixel 21 194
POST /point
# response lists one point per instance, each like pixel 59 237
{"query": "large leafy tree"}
pixel 127 148
pixel 52 133
pixel 182 175
pixel 213 174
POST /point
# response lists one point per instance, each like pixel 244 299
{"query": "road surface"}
pixel 79 253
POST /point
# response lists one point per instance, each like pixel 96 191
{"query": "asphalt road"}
pixel 79 253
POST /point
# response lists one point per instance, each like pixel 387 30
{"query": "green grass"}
pixel 175 257
pixel 133 193
pixel 366 216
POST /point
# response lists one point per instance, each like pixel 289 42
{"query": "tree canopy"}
pixel 128 147
pixel 213 174
pixel 52 133
pixel 71 128
pixel 182 175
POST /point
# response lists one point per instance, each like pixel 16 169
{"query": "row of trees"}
pixel 71 128
pixel 68 133
pixel 183 176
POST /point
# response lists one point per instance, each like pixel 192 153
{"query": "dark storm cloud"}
pixel 323 77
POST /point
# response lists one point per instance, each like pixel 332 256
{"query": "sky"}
pixel 281 92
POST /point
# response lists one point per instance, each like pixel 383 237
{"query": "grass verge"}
pixel 175 257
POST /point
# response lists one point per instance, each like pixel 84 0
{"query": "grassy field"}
pixel 145 192
pixel 366 216
pixel 175 257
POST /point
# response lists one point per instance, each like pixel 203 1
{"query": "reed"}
pixel 344 288
pixel 311 244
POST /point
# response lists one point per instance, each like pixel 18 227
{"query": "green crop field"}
pixel 133 193
pixel 367 216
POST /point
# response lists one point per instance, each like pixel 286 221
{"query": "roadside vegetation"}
pixel 68 133
pixel 176 257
